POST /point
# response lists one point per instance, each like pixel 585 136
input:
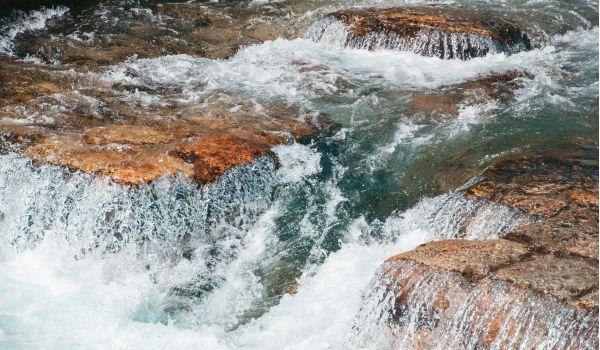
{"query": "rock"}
pixel 566 278
pixel 547 237
pixel 442 32
pixel 126 166
pixel 212 155
pixel 52 115
pixel 589 300
pixel 137 154
pixel 447 100
pixel 476 258
pixel 438 309
pixel 199 29
pixel 535 287
pixel 558 189
pixel 131 135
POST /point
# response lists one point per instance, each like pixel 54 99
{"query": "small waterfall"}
pixel 160 222
pixel 420 308
pixel 452 216
pixel 427 42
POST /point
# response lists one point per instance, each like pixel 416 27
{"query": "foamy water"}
pixel 272 256
pixel 33 21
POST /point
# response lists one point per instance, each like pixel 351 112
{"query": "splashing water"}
pixel 440 313
pixel 428 42
pixel 286 255
pixel 33 21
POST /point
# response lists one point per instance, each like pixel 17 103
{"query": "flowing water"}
pixel 277 256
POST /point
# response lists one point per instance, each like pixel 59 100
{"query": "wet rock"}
pixel 52 114
pixel 563 190
pixel 447 100
pixel 212 155
pixel 552 238
pixel 566 278
pixel 589 300
pixel 137 154
pixel 126 166
pixel 536 286
pixel 432 31
pixel 434 308
pixel 200 29
pixel 476 258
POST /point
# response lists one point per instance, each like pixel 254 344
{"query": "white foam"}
pixel 298 161
pixel 34 20
pixel 299 70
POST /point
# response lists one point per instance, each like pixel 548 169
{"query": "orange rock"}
pixel 446 100
pixel 129 135
pixel 133 166
pixel 212 155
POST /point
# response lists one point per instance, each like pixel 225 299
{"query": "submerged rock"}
pixel 442 32
pixel 537 286
pixel 447 100
pixel 86 37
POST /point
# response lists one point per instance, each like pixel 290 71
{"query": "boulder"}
pixel 477 258
pixel 534 287
pixel 434 308
pixel 138 154
pixel 435 31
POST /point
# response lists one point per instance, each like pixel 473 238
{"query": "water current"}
pixel 276 256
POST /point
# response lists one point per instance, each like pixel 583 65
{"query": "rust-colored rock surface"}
pixel 435 308
pixel 54 115
pixel 443 32
pixel 537 286
pixel 137 154
pixel 545 185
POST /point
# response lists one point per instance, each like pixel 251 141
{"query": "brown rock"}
pixel 126 166
pixel 433 31
pixel 129 135
pixel 476 258
pixel 548 237
pixel 433 308
pixel 535 288
pixel 212 155
pixel 137 154
pixel 543 185
pixel 565 278
pixel 446 100
pixel 199 29
pixel 46 115
pixel 589 300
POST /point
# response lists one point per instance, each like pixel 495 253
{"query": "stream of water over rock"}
pixel 274 254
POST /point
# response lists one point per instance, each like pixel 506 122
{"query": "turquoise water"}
pixel 278 257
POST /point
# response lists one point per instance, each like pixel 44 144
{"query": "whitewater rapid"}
pixel 88 264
